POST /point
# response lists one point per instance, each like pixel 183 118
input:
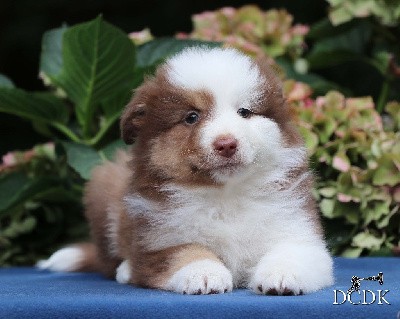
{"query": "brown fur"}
pixel 106 188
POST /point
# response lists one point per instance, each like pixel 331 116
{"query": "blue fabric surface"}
pixel 30 293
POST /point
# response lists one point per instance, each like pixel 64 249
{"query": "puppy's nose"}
pixel 225 146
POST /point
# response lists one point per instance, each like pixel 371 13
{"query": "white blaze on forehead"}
pixel 229 75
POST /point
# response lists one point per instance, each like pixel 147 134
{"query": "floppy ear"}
pixel 132 120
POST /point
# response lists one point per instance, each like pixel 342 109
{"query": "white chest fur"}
pixel 240 222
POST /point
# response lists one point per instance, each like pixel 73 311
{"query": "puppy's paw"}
pixel 293 272
pixel 201 278
pixel 123 272
pixel 277 283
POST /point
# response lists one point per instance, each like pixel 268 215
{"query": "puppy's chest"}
pixel 236 228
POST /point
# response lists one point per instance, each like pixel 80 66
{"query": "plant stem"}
pixel 66 131
pixel 383 96
pixel 103 130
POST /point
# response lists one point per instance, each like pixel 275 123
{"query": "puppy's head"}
pixel 208 115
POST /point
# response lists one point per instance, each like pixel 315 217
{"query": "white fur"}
pixel 259 139
pixel 65 259
pixel 123 272
pixel 112 230
pixel 229 75
pixel 301 268
pixel 201 277
pixel 240 222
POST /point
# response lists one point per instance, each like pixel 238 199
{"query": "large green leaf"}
pixel 83 158
pixel 156 51
pixel 51 60
pixel 109 151
pixel 114 104
pixel 43 107
pixel 324 59
pixel 15 188
pixel 5 82
pixel 97 61
pixel 319 84
pixel 340 48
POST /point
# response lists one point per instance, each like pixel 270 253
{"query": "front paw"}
pixel 293 272
pixel 277 283
pixel 201 278
pixel 123 272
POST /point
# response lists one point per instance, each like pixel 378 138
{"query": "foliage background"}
pixel 358 161
pixel 23 22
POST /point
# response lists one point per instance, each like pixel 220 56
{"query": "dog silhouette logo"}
pixel 356 282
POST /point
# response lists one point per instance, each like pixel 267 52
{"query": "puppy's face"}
pixel 208 116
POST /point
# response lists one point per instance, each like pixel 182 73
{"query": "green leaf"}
pixel 352 252
pixel 310 139
pixel 328 191
pixel 324 29
pixel 376 211
pixel 33 106
pixel 319 84
pixel 368 240
pixel 386 174
pixel 393 108
pixel 320 59
pixel 114 104
pixel 82 158
pixel 327 207
pixel 112 108
pixel 156 51
pixel 51 60
pixel 20 227
pixel 340 15
pixel 109 151
pixel 335 50
pixel 16 187
pixel 5 82
pixel 97 60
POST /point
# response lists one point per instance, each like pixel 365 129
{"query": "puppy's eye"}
pixel 192 118
pixel 245 113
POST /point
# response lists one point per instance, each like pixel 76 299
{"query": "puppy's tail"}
pixel 79 257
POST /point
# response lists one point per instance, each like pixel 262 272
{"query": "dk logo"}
pixel 362 297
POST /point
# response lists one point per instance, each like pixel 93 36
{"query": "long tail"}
pixel 79 257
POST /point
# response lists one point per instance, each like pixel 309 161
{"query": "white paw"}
pixel 201 278
pixel 65 259
pixel 293 271
pixel 123 273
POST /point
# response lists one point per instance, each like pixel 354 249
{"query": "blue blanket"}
pixel 30 293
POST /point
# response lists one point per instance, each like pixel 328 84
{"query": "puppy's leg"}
pixel 186 269
pixel 293 269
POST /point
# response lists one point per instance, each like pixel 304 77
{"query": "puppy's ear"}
pixel 132 120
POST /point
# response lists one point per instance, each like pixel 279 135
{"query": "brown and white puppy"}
pixel 216 193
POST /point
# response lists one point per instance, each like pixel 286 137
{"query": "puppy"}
pixel 216 192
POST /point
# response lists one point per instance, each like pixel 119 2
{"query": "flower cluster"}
pixel 255 32
pixel 13 160
pixel 386 11
pixel 356 153
pixel 141 37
